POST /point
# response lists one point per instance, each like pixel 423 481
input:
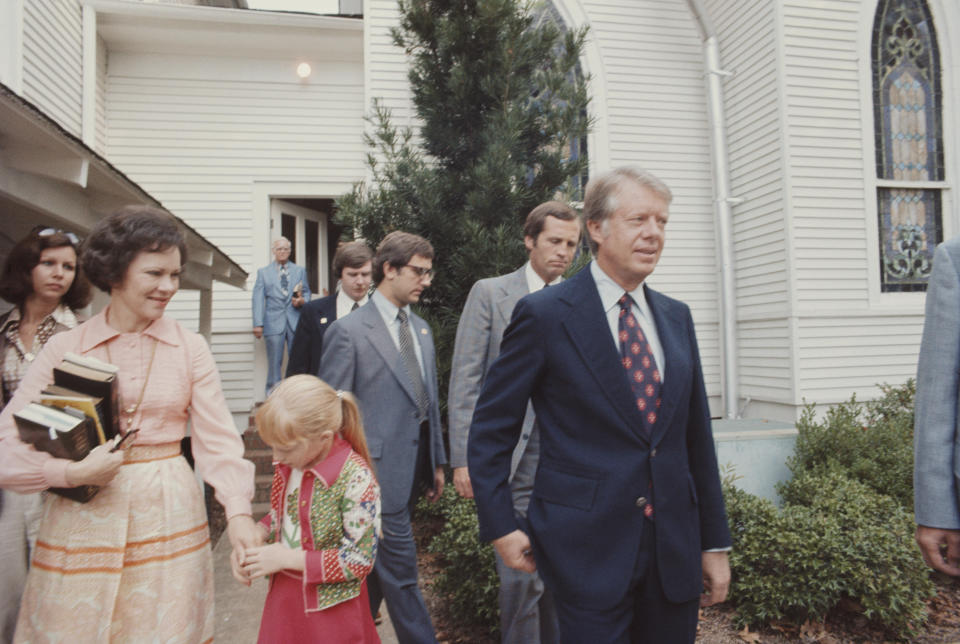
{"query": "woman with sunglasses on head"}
pixel 134 563
pixel 43 281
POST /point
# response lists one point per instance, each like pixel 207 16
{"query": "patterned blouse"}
pixel 15 358
pixel 332 511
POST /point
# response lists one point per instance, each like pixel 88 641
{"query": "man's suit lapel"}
pixel 378 336
pixel 510 293
pixel 587 326
pixel 671 328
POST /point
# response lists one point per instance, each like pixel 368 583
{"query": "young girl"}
pixel 324 518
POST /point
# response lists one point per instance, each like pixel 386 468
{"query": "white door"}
pixel 307 231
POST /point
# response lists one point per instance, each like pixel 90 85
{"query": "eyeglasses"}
pixel 50 232
pixel 422 271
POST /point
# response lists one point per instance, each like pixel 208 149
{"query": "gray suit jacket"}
pixel 359 356
pixel 936 476
pixel 479 332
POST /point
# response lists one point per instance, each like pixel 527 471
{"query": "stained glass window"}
pixel 908 130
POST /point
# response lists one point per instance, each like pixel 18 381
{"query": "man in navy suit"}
pixel 384 354
pixel 626 523
pixel 352 266
pixel 279 292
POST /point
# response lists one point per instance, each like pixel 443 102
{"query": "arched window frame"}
pixel 946 20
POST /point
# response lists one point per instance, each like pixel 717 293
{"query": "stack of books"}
pixel 74 415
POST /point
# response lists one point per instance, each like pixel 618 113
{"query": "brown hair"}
pixel 116 240
pixel 602 191
pixel 397 249
pixel 537 218
pixel 16 285
pixel 351 255
pixel 304 408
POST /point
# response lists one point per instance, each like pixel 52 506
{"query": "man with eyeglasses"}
pixel 384 354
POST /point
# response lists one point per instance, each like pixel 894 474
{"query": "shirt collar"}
pixel 345 301
pixel 62 315
pixel 534 281
pixel 611 292
pixel 97 331
pixel 329 468
pixel 388 310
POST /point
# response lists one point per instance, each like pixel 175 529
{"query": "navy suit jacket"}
pixel 596 466
pixel 307 345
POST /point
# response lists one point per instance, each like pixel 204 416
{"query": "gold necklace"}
pixel 132 409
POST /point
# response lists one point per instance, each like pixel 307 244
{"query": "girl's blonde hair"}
pixel 303 407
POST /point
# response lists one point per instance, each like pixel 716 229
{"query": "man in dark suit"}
pixel 352 266
pixel 626 523
pixel 384 354
pixel 551 234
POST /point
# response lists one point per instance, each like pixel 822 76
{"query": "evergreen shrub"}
pixel 467 580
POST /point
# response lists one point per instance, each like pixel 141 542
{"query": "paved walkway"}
pixel 238 608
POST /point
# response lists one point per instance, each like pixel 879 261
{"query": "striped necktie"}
pixel 409 355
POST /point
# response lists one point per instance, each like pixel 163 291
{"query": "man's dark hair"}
pixel 397 249
pixel 351 255
pixel 16 285
pixel 537 218
pixel 116 240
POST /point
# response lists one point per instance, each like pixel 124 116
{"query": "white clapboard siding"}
pixel 52 58
pixel 100 134
pixel 847 340
pixel 851 354
pixel 655 102
pixel 747 34
pixel 198 133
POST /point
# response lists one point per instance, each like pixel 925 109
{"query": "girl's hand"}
pixel 236 565
pixel 266 560
pixel 97 468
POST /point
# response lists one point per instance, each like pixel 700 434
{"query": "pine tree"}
pixel 501 103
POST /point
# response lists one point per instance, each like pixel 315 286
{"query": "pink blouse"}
pixel 183 385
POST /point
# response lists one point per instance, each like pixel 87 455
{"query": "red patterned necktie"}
pixel 637 358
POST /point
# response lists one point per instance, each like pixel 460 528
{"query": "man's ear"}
pixel 529 242
pixel 389 271
pixel 595 230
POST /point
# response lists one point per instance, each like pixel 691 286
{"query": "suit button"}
pixel 653 452
pixel 642 501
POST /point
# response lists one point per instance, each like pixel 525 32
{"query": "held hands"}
pixel 940 549
pixel 716 578
pixel 297 300
pixel 244 534
pixel 514 549
pixel 266 560
pixel 97 468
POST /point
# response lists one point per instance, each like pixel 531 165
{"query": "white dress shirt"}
pixel 345 303
pixel 534 281
pixel 610 294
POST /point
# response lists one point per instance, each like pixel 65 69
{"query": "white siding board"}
pixel 52 55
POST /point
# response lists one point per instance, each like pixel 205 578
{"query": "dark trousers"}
pixel 644 616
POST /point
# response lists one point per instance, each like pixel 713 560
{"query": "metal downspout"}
pixel 722 209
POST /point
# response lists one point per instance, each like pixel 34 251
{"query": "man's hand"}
pixel 514 549
pixel 716 578
pixel 258 332
pixel 940 548
pixel 461 482
pixel 297 301
pixel 433 495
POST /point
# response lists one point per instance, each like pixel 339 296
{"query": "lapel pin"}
pixel 423 332
pixel 323 320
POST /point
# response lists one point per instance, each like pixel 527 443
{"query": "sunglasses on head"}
pixel 49 232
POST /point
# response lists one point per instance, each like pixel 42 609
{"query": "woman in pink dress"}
pixel 134 563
